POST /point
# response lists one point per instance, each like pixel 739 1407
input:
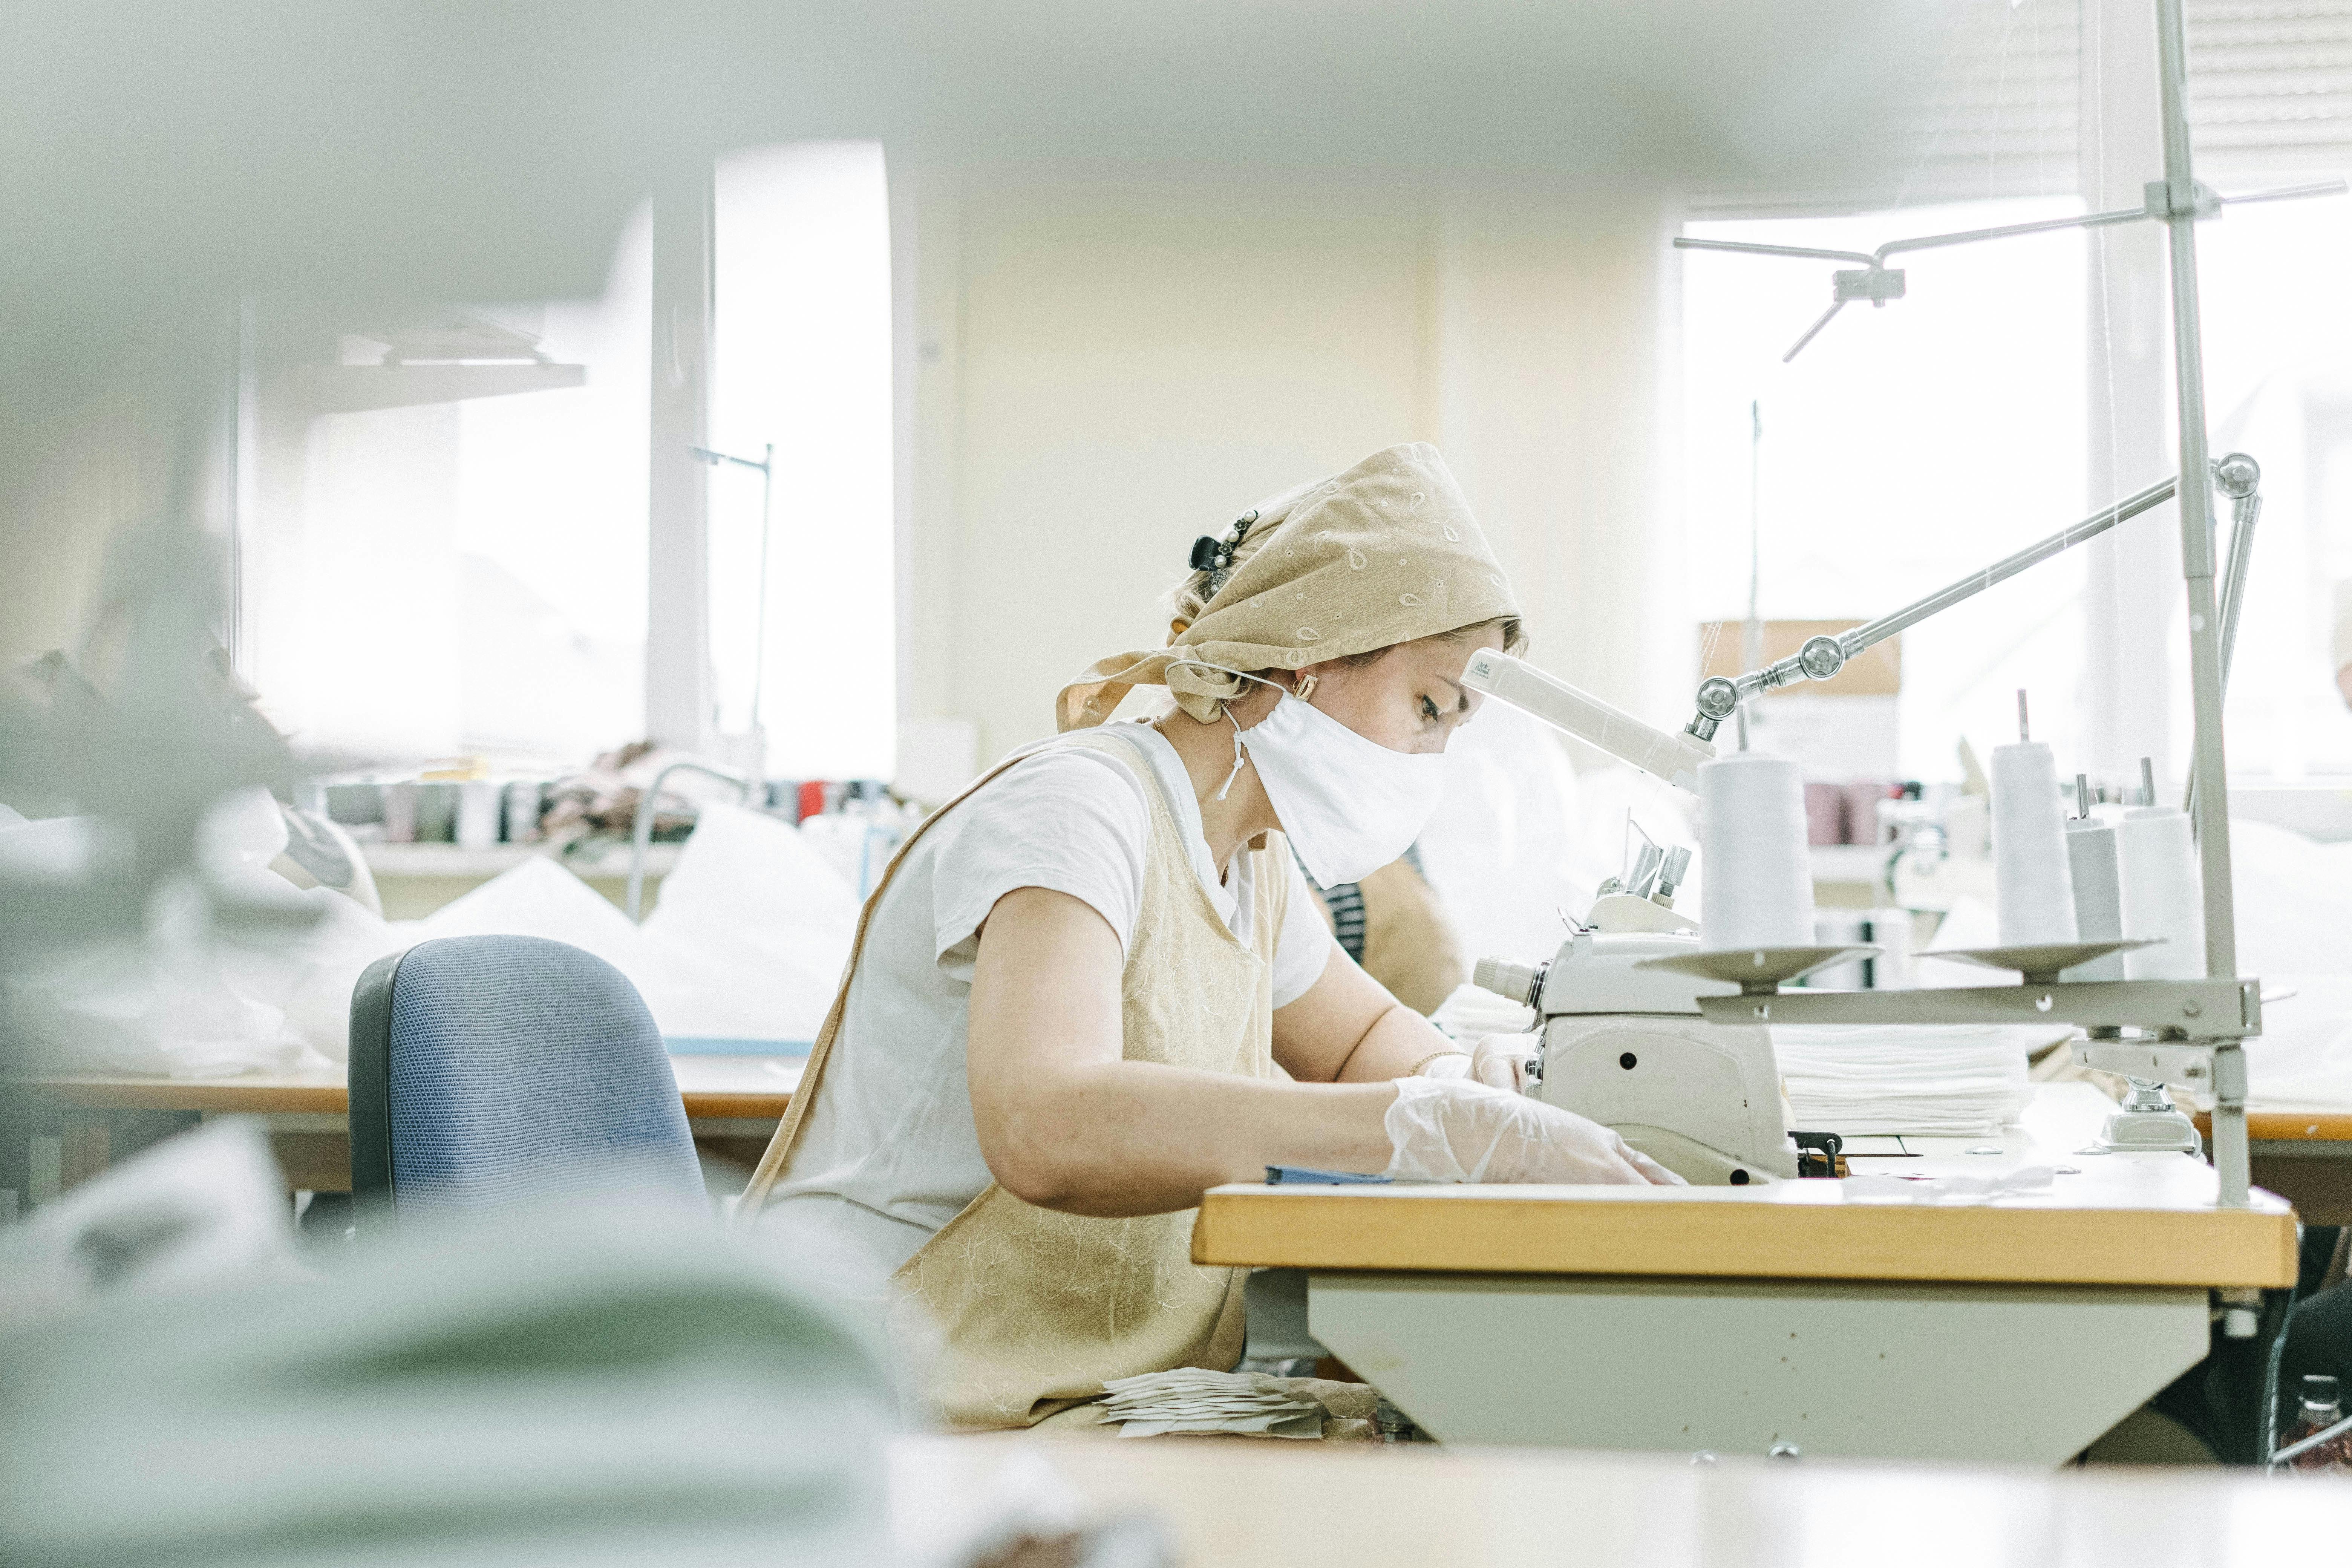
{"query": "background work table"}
pixel 732 1103
pixel 2304 1154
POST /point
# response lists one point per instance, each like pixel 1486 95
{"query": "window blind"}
pixel 1986 108
pixel 1991 108
pixel 2270 88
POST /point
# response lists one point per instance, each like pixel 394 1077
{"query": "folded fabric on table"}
pixel 1473 1012
pixel 1958 1080
pixel 1887 1187
pixel 1247 1404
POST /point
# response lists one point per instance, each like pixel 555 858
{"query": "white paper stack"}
pixel 1190 1399
pixel 1956 1081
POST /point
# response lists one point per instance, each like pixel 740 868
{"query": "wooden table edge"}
pixel 225 1094
pixel 228 1095
pixel 718 1104
pixel 2079 1246
pixel 2289 1126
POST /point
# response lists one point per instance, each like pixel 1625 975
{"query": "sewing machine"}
pixel 1626 1046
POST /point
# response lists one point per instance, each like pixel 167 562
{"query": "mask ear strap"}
pixel 1239 760
pixel 1226 788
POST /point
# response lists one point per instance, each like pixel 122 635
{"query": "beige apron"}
pixel 1035 1308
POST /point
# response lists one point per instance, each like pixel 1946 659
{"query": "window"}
pixel 2278 333
pixel 1904 447
pixel 801 361
pixel 446 551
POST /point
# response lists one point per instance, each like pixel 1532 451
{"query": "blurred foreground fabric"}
pixel 591 1383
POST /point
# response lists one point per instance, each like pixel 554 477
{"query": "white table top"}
pixel 1244 1501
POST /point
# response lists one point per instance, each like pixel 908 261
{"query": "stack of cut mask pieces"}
pixel 1190 1399
pixel 1953 1080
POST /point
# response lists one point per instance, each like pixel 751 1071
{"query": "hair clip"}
pixel 1215 556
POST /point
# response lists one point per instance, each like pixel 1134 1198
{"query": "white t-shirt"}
pixel 890 1153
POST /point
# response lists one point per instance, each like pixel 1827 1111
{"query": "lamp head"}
pixel 1674 758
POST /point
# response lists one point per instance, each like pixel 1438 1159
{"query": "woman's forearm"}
pixel 1347 1028
pixel 1134 1138
pixel 1065 1121
pixel 1399 1043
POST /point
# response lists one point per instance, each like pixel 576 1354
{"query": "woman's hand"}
pixel 1500 1061
pixel 1452 1130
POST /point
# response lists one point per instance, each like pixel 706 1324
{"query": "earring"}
pixel 1305 686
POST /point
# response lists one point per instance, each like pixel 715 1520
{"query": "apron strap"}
pixel 770 1168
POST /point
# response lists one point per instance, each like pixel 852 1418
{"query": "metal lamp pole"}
pixel 766 465
pixel 2179 199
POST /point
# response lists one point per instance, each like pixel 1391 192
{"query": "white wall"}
pixel 1556 337
pixel 1104 369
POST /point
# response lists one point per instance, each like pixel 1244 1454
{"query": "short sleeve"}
pixel 1304 944
pixel 1071 821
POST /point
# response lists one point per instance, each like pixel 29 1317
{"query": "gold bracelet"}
pixel 1432 1056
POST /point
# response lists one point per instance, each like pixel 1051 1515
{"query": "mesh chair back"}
pixel 488 1071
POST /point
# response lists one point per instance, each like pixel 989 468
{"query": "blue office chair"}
pixel 488 1071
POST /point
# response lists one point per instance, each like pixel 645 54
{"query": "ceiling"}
pixel 154 153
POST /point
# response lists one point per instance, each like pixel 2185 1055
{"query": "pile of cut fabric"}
pixel 1245 1404
pixel 744 948
pixel 1953 1080
pixel 1473 1012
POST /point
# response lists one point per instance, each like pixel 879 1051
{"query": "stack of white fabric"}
pixel 1473 1012
pixel 1190 1399
pixel 747 944
pixel 1956 1081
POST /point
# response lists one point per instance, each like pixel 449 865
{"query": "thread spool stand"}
pixel 2212 1016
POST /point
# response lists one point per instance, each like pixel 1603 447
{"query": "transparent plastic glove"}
pixel 1500 1061
pixel 1451 1129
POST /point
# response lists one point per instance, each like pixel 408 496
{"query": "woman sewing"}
pixel 1094 985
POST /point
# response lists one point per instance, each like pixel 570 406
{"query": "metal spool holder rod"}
pixel 2211 772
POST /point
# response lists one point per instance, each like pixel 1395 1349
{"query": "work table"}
pixel 2115 1219
pixel 2014 1328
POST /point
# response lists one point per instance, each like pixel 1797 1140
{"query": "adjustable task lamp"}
pixel 1659 752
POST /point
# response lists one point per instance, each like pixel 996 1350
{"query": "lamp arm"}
pixel 1660 753
pixel 1823 656
pixel 2240 480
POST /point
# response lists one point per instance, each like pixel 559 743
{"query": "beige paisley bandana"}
pixel 1383 553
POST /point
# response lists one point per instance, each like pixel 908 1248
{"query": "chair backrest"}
pixel 486 1071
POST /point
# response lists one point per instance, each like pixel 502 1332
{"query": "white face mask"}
pixel 1350 806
